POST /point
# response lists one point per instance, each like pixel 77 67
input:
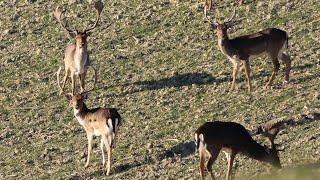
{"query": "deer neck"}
pixel 259 152
pixel 225 45
pixel 80 59
pixel 81 113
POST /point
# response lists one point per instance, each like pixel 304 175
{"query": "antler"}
pixel 229 21
pixel 58 80
pixel 98 5
pixel 233 15
pixel 58 15
pixel 208 18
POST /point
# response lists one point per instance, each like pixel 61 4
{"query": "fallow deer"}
pixel 99 121
pixel 271 41
pixel 76 58
pixel 231 138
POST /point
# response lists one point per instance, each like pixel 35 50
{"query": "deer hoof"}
pixel 85 166
pixel 267 86
pixel 107 173
pixel 232 88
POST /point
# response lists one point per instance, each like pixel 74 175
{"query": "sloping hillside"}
pixel 159 64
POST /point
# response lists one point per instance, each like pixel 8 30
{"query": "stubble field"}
pixel 158 62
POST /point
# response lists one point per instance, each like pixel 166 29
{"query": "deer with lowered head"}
pixel 76 58
pixel 232 138
pixel 99 121
pixel 271 41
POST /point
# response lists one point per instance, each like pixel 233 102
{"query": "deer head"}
pixel 271 130
pixel 75 97
pixel 79 36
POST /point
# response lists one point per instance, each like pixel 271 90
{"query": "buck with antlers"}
pixel 99 121
pixel 232 138
pixel 271 41
pixel 76 57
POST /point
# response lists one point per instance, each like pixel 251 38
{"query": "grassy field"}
pixel 159 64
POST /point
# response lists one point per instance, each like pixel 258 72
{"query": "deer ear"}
pixel 84 95
pixel 88 33
pixel 72 34
pixel 214 25
pixel 68 96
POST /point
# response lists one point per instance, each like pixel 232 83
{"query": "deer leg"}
pixel 102 151
pixel 209 4
pixel 64 80
pixel 109 149
pixel 287 61
pixel 247 72
pixel 213 156
pixel 276 68
pixel 82 80
pixel 73 84
pixel 236 67
pixel 89 136
pixel 230 158
pixel 202 161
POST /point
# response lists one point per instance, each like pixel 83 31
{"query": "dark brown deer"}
pixel 271 41
pixel 231 138
pixel 99 121
pixel 76 58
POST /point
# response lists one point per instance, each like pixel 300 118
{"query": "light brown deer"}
pixel 76 58
pixel 231 138
pixel 99 121
pixel 271 41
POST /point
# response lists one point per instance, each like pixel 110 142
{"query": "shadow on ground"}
pixel 135 163
pixel 180 80
pixel 182 149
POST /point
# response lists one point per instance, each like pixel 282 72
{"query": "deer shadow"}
pixel 180 80
pixel 114 170
pixel 182 150
pixel 135 163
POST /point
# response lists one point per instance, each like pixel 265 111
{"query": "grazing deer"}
pixel 99 121
pixel 76 57
pixel 271 41
pixel 231 138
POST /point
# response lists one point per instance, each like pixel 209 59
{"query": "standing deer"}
pixel 231 138
pixel 76 57
pixel 99 121
pixel 271 41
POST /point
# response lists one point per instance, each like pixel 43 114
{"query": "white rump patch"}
pixel 110 124
pixel 201 137
pixel 116 124
pixel 202 143
pixel 196 138
pixel 283 51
